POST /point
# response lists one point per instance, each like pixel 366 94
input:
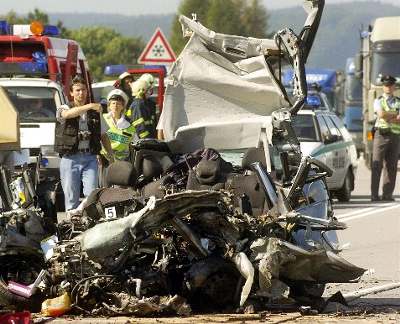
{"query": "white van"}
pixel 36 100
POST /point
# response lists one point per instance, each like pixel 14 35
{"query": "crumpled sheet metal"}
pixel 206 87
pixel 246 269
pixel 281 259
pixel 270 263
pixel 107 238
pixel 235 47
pixel 202 216
pixel 175 205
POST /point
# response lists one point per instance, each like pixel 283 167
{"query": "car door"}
pixel 325 154
pixel 338 150
pixel 350 146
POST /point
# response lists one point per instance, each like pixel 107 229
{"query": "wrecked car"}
pixel 22 227
pixel 181 229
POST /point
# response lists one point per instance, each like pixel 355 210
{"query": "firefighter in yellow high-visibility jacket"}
pixel 142 111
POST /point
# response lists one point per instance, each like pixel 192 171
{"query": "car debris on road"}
pixel 181 230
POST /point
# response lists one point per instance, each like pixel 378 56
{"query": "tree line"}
pixel 105 46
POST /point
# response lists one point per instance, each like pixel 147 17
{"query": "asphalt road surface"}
pixel 372 241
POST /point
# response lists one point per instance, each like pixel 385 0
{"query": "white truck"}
pixel 36 100
pixel 379 55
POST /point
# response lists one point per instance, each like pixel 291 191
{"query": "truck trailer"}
pixel 379 56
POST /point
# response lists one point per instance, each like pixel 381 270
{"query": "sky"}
pixel 128 7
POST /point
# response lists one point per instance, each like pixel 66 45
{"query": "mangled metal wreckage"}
pixel 189 230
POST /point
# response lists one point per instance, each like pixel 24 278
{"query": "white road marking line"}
pixel 358 211
pixel 373 211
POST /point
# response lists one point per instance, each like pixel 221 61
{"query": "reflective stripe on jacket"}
pixel 383 124
pixel 142 114
pixel 119 138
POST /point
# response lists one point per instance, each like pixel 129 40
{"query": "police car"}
pixel 323 135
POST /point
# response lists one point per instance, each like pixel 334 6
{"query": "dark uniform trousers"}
pixel 386 148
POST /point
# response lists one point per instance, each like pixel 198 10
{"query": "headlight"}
pixel 315 192
pixel 317 198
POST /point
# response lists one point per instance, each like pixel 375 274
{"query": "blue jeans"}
pixel 75 168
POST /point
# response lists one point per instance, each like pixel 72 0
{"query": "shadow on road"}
pixel 377 305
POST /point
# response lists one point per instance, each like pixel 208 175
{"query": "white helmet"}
pixel 117 93
pixel 125 75
pixel 148 78
pixel 139 88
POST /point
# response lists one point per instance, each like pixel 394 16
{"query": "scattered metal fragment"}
pixel 368 291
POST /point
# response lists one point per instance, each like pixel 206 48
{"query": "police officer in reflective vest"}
pixel 120 131
pixel 386 141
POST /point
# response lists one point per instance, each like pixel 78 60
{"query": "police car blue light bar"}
pixel 115 69
pixel 25 30
pixel 4 27
pixel 313 101
pixel 51 30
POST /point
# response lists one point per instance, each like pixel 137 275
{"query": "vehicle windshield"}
pixel 385 64
pixel 353 88
pixel 304 128
pixel 35 104
pixel 100 93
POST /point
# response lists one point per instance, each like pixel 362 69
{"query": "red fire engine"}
pixel 33 50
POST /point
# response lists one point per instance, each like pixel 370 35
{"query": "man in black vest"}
pixel 80 131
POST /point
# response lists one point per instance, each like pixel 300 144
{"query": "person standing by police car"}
pixel 80 131
pixel 386 145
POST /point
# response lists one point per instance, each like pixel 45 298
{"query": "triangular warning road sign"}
pixel 157 50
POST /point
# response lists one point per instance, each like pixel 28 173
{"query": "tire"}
pixel 344 193
pixel 211 284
